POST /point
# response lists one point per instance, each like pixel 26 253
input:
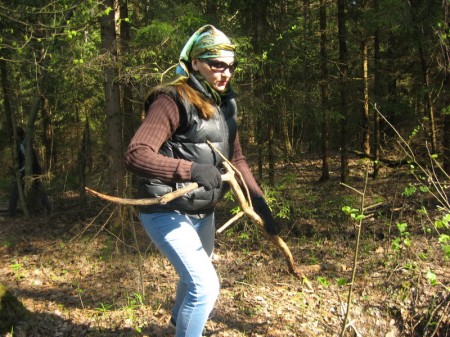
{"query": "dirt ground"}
pixel 78 277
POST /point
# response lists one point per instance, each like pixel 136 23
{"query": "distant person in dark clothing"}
pixel 21 153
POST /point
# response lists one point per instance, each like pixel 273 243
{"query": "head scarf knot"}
pixel 206 42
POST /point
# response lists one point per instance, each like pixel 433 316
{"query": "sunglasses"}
pixel 219 66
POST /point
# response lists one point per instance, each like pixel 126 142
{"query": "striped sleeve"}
pixel 142 156
pixel 241 164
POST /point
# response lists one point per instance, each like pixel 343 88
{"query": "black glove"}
pixel 261 208
pixel 206 175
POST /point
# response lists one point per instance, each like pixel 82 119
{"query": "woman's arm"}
pixel 142 156
pixel 259 203
pixel 241 164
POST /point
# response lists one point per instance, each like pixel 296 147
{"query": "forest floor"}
pixel 76 278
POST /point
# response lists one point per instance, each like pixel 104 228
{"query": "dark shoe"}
pixel 172 323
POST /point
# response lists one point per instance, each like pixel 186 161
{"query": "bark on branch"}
pixel 145 202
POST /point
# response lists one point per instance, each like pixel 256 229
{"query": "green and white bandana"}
pixel 206 42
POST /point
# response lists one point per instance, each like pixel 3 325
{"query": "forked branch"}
pixel 248 210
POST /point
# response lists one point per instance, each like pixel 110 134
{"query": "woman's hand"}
pixel 206 175
pixel 261 208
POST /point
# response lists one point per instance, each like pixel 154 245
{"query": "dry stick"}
pixel 145 202
pixel 230 222
pixel 233 169
pixel 248 210
pixel 355 257
pixel 151 201
pixel 140 259
pixel 89 224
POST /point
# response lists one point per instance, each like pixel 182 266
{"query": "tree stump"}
pixel 12 310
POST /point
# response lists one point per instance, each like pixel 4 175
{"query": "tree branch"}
pixel 145 202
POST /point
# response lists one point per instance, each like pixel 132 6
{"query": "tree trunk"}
pixel 34 195
pixel 258 31
pixel 83 160
pixel 271 155
pixel 283 110
pixel 12 126
pixel 29 132
pixel 47 137
pixel 7 99
pixel 285 127
pixel 446 142
pixel 377 92
pixel 428 100
pixel 129 120
pixel 112 101
pixel 324 94
pixel 343 67
pixel 445 41
pixel 366 128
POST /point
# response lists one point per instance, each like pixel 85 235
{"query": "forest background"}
pixel 330 93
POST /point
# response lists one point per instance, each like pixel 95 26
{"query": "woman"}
pixel 170 149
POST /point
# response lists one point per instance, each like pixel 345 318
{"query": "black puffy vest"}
pixel 189 142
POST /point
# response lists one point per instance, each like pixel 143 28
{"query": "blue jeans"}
pixel 188 242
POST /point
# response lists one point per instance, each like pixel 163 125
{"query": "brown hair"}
pixel 205 108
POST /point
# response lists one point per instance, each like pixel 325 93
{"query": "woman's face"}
pixel 216 71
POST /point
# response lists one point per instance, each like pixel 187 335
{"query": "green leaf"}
pixel 107 11
pixel 402 227
pixel 407 242
pixel 323 281
pixel 422 210
pixel 422 256
pixel 431 277
pixel 446 249
pixel 446 110
pixel 341 281
pixel 444 238
pixel 424 189
pixel 443 223
pixel 349 210
pixel 409 190
pixel 360 217
pixel 396 244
